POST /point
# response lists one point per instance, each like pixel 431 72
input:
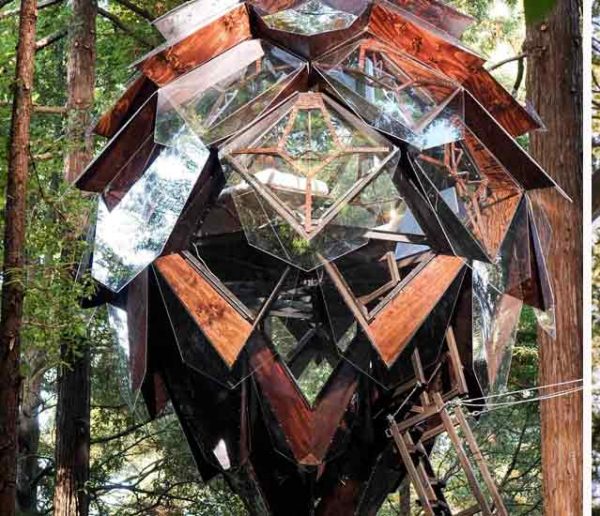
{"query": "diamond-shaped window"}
pixel 312 162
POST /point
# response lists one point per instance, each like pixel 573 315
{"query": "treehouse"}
pixel 315 233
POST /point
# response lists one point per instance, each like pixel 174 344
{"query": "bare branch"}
pixel 518 57
pixel 136 9
pixel 124 28
pixel 52 38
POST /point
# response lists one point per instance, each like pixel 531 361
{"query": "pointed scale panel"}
pixel 185 52
pixel 395 93
pixel 469 180
pixel 394 321
pixel 308 431
pixel 224 95
pixel 401 29
pixel 149 209
pixel 310 27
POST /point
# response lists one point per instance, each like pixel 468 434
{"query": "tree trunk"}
pixel 73 406
pixel 13 289
pixel 28 471
pixel 554 86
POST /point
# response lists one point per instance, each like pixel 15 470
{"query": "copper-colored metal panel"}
pixel 309 431
pixel 222 325
pixel 500 103
pixel 119 151
pixel 209 41
pixel 394 326
pixel 395 27
pixel 140 90
pixel 439 14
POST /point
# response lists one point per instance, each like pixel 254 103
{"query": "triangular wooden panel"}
pixel 438 14
pixel 119 151
pixel 394 326
pixel 221 324
pixel 500 143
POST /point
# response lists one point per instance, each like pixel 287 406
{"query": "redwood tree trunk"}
pixel 73 407
pixel 13 268
pixel 554 86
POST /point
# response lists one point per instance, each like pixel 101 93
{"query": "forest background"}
pixel 145 468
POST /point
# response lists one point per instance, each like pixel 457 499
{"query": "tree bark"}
pixel 13 289
pixel 28 471
pixel 73 405
pixel 554 86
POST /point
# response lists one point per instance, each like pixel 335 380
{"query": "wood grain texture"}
pixel 140 90
pixel 393 327
pixel 309 431
pixel 505 109
pixel 166 64
pixel 438 14
pixel 502 197
pixel 500 143
pixel 446 54
pixel 554 87
pixel 137 326
pixel 220 323
pixel 403 31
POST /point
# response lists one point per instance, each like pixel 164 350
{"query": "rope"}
pixel 530 389
pixel 497 406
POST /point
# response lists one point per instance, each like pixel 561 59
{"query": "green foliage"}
pixel 536 10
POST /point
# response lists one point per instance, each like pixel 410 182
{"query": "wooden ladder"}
pixel 428 487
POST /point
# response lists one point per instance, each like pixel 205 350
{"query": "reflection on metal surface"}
pixel 227 93
pixel 396 93
pixel 312 17
pixel 191 16
pixel 134 233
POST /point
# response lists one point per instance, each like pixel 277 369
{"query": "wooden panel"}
pixel 399 29
pixel 502 197
pixel 222 325
pixel 309 431
pixel 500 143
pixel 131 172
pixel 166 64
pixel 500 103
pixel 119 150
pixel 445 53
pixel 438 14
pixel 393 327
pixel 137 93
